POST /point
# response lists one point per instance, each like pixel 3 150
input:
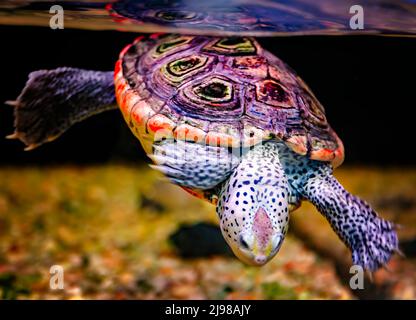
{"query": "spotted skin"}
pixel 371 239
pixel 253 204
pixel 263 184
pixel 54 100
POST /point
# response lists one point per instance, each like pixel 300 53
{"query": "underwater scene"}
pixel 237 150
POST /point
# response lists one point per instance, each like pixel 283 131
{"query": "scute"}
pixel 221 91
pixel 273 93
pixel 232 46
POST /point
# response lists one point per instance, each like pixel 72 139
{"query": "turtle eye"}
pixel 176 15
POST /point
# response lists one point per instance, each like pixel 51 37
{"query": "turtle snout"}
pixel 263 254
pixel 260 259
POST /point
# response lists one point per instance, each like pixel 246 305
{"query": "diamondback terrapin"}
pixel 223 118
pixel 229 122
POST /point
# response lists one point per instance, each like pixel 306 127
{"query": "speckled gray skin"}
pixel 371 239
pixel 255 198
pixel 255 190
pixel 53 100
pixel 193 165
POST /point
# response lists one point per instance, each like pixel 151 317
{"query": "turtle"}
pixel 227 121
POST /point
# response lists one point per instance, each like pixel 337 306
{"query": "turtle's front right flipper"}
pixel 372 240
pixel 53 100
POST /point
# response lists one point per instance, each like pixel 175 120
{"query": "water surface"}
pixel 218 17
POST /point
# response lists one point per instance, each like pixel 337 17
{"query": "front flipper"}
pixel 53 100
pixel 371 239
pixel 193 165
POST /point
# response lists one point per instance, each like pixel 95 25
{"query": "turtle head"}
pixel 254 213
pixel 259 242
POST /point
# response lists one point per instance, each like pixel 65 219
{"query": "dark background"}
pixel 367 85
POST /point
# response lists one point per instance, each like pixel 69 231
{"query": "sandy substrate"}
pixel 108 227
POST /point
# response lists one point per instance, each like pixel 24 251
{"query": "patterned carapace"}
pixel 220 91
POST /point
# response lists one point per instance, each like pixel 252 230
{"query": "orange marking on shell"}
pixel 118 95
pixel 323 154
pixel 299 144
pixel 221 139
pixel 161 126
pixel 336 156
pixel 129 99
pixel 339 158
pixel 121 88
pixel 140 113
pixel 189 133
pixel 117 69
pixel 339 154
pixel 117 77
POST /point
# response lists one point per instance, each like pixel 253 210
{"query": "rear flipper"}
pixel 371 239
pixel 53 100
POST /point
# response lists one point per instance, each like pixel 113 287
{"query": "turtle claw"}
pixel 12 103
pixel 52 138
pixel 400 253
pixel 18 135
pixel 370 276
pixel 14 135
pixel 31 147
pixel 375 251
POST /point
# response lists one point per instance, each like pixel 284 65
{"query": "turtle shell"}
pixel 219 91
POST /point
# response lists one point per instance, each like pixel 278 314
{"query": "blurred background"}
pixel 88 201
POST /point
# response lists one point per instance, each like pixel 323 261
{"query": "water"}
pixel 218 17
pixel 109 224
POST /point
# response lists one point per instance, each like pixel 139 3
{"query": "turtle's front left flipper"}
pixel 371 239
pixel 53 100
pixel 193 165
